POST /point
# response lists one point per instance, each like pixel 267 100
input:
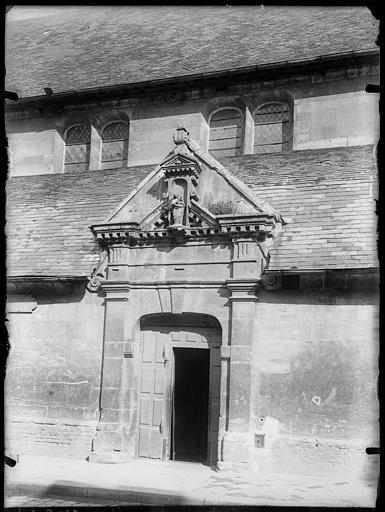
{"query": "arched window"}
pixel 226 133
pixel 114 145
pixel 77 153
pixel 272 128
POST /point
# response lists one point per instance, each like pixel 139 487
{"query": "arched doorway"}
pixel 179 387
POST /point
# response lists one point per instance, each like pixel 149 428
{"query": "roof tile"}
pixel 342 236
pixel 87 47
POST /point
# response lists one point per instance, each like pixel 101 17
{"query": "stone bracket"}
pixel 98 274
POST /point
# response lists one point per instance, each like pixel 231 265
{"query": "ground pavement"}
pixel 48 481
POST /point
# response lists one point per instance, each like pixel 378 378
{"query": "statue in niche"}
pixel 177 210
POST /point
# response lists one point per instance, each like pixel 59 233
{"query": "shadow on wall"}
pixel 327 297
pixel 67 295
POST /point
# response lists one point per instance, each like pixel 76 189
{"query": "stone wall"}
pixel 350 119
pixel 322 117
pixel 35 146
pixel 318 369
pixel 53 375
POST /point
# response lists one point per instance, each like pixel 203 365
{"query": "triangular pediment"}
pixel 198 217
pixel 178 161
pixel 189 191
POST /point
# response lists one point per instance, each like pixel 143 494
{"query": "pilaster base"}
pixel 238 448
pixel 108 457
pixel 112 441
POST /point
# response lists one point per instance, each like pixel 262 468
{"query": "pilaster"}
pixel 109 441
pixel 238 439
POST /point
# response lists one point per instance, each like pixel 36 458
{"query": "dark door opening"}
pixel 190 404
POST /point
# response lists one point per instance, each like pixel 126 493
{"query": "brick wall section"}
pixel 329 194
pixel 136 44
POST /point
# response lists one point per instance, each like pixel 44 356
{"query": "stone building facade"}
pixel 191 262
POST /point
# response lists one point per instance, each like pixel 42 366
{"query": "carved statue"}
pixel 177 210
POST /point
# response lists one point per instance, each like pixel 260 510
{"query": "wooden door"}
pixel 156 387
pixel 154 397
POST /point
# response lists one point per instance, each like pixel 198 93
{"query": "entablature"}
pixel 129 234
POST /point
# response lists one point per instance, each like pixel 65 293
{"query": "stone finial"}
pixel 181 135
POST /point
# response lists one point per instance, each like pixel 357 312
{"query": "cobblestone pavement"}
pixel 235 493
pixel 56 501
pixel 287 490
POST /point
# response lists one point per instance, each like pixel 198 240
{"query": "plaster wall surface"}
pixel 35 151
pixel 53 375
pixel 151 138
pixel 348 119
pixel 317 375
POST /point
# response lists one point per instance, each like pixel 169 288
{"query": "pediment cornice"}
pixel 257 226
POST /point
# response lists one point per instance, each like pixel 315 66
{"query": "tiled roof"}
pixel 87 47
pixel 329 195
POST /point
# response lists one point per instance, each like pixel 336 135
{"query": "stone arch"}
pixel 100 122
pixel 216 104
pixel 107 117
pixel 77 146
pixel 226 132
pixel 263 98
pixel 276 95
pixel 228 102
pixel 64 125
pixel 115 140
pixel 192 319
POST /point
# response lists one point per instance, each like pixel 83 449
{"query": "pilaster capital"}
pixel 116 290
pixel 242 289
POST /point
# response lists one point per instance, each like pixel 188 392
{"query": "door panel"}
pixel 159 381
pixel 157 412
pixel 152 397
pixel 145 411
